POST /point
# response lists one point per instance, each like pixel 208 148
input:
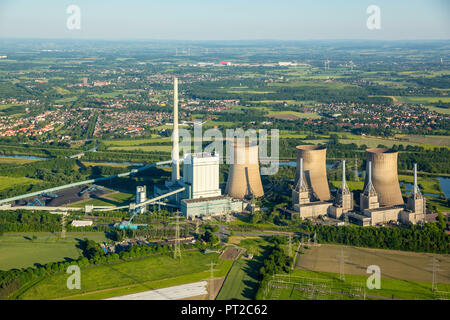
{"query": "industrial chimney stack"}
pixel 175 136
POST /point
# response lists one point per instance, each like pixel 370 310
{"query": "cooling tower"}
pixel 244 179
pixel 384 176
pixel 315 172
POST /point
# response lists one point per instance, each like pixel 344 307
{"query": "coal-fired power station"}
pixel 244 179
pixel 197 192
pixel 384 176
pixel 314 170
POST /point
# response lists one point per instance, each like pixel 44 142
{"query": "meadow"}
pixel 132 276
pixel 242 281
pixel 11 182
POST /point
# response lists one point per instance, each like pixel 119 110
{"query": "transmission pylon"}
pixel 341 259
pixel 197 223
pixel 290 244
pixel 435 270
pixel 63 225
pixel 177 251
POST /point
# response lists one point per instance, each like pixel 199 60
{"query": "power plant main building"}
pixel 380 202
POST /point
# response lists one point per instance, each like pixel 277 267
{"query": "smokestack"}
pixel 175 137
pixel 314 171
pixel 301 185
pixel 416 190
pixel 384 176
pixel 369 189
pixel 344 185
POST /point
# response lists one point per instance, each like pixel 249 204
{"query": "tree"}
pixel 441 220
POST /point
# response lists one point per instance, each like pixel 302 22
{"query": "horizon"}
pixel 201 20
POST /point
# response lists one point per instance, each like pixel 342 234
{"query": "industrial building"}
pixel 315 172
pixel 201 175
pixel 200 207
pixel 343 201
pixel 141 196
pixel 202 195
pixel 384 175
pixel 380 202
pixel 311 195
pixel 244 178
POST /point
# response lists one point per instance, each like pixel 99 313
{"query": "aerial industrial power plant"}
pixel 197 193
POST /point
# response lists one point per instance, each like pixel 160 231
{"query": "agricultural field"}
pixel 400 265
pixel 373 142
pixel 427 140
pixel 132 276
pixel 16 160
pixel 167 148
pixel 11 182
pixel 135 142
pixel 22 251
pixel 317 276
pixel 313 285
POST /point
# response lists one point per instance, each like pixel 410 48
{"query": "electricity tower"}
pixel 341 259
pixel 177 251
pixel 435 269
pixel 211 280
pixel 63 225
pixel 290 244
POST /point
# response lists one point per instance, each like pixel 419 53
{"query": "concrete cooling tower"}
pixel 315 172
pixel 384 176
pixel 244 179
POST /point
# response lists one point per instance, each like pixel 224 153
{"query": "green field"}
pixel 129 277
pixel 135 142
pixel 242 280
pixel 16 160
pixel 167 148
pixel 329 287
pixel 427 140
pixel 372 142
pixel 20 251
pixel 11 182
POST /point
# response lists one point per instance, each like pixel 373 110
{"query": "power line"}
pixel 290 244
pixel 211 280
pixel 342 261
pixel 177 251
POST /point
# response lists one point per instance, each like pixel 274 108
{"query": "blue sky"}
pixel 226 20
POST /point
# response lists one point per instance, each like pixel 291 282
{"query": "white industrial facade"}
pixel 201 175
pixel 141 196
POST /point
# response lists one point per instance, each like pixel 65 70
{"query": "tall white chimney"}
pixel 175 150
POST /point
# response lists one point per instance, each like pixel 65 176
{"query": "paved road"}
pixel 171 293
